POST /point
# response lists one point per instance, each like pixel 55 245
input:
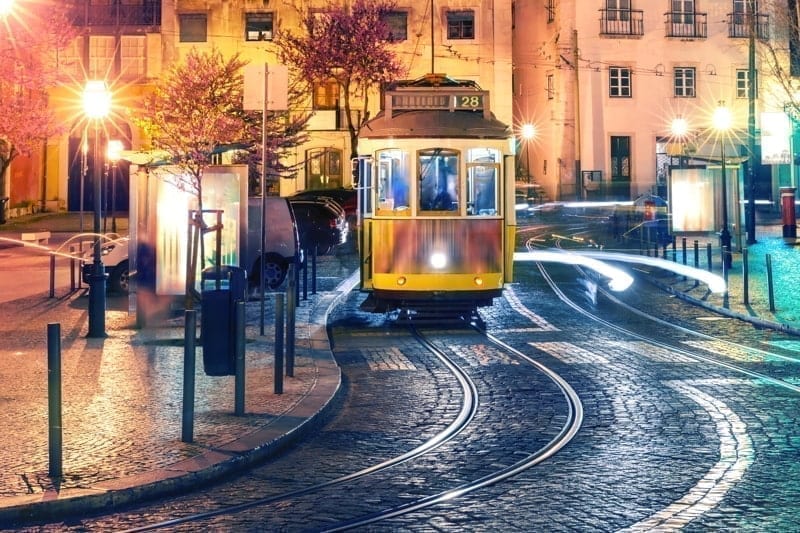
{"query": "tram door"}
pixel 364 226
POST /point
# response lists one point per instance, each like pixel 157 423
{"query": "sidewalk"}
pixel 784 256
pixel 122 401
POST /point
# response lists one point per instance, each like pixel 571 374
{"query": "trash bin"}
pixel 220 288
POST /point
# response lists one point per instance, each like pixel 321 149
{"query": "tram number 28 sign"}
pixel 468 101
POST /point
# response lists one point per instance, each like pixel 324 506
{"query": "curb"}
pixel 758 321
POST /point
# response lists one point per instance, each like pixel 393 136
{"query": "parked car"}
pixel 321 223
pixel 114 255
pixel 282 242
pixel 346 198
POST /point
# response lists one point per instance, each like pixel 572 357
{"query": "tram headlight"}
pixel 477 280
pixel 438 260
pixel 401 280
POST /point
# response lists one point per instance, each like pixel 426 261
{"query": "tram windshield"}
pixel 438 180
pixel 483 167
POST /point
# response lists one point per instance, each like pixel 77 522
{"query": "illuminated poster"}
pixel 776 133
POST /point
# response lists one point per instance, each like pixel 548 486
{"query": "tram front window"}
pixel 393 182
pixel 438 180
pixel 482 192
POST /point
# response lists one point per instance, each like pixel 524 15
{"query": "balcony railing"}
pixel 621 22
pixel 686 25
pixel 148 13
pixel 739 25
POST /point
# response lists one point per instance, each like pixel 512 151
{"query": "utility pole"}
pixel 750 218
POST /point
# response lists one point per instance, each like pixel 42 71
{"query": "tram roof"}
pixel 435 123
pixel 435 106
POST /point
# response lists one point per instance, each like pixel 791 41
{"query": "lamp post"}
pixel 114 153
pixel 96 105
pixel 528 133
pixel 722 123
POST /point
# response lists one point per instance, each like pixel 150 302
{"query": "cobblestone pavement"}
pixel 122 395
pixel 122 399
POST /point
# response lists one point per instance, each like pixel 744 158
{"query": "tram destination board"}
pixel 465 101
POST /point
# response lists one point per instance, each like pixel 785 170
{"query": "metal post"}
pixel 746 277
pixel 769 284
pixel 55 440
pixel 725 234
pixel 52 275
pixel 279 343
pixel 314 271
pixel 291 314
pixel 696 254
pixel 97 279
pixel 113 197
pixel 750 214
pixel 708 256
pixel 189 333
pixel 239 381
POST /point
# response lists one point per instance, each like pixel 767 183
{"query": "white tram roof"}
pixel 435 106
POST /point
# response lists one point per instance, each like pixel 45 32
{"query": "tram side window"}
pixel 482 182
pixel 393 181
pixel 438 180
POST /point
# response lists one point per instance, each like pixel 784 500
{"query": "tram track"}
pixel 722 345
pixel 435 343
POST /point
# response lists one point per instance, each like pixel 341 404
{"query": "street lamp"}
pixel 96 106
pixel 528 133
pixel 680 129
pixel 114 153
pixel 722 122
pixel 5 7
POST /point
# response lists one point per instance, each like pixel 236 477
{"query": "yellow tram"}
pixel 436 199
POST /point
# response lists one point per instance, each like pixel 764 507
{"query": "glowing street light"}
pixel 6 6
pixel 528 133
pixel 722 122
pixel 97 106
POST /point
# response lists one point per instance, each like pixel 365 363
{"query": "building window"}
pixel 460 24
pixel 685 82
pixel 193 27
pixel 550 88
pixel 743 84
pixel 101 56
pixel 323 168
pixel 132 56
pixel 619 82
pixel 397 23
pixel 618 10
pixel 683 11
pixel 326 95
pixel 258 26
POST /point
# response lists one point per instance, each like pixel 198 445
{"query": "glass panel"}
pixel 393 182
pixel 438 180
pixel 483 169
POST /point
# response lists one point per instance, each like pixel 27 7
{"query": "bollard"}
pixel 696 254
pixel 746 277
pixel 291 314
pixel 674 248
pixel 279 343
pixel 189 358
pixel 769 284
pixel 709 254
pixel 52 275
pixel 72 269
pixel 305 277
pixel 55 448
pixel 726 261
pixel 683 245
pixel 314 271
pixel 239 342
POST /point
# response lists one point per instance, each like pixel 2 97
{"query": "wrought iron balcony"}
pixel 621 22
pixel 739 25
pixel 686 25
pixel 145 13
